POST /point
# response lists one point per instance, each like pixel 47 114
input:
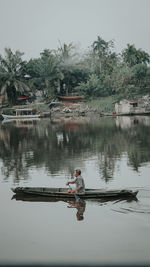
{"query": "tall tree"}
pixel 102 49
pixel 51 72
pixel 71 67
pixel 65 52
pixel 12 75
pixel 133 56
pixel 45 73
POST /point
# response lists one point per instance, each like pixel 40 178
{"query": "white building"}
pixel 131 107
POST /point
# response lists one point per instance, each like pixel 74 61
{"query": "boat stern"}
pixel 16 190
pixel 13 189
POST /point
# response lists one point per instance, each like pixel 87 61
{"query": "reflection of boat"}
pixel 63 192
pixel 38 198
pixel 79 205
pixel 19 123
pixel 21 113
pixel 71 98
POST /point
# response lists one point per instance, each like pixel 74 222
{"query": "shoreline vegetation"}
pixel 99 74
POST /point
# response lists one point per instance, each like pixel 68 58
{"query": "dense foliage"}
pixel 98 72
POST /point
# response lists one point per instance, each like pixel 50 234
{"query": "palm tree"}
pixel 101 48
pixel 12 80
pixel 51 73
pixel 65 52
pixel 133 56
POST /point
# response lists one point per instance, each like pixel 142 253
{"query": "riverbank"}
pixel 88 109
pixel 83 110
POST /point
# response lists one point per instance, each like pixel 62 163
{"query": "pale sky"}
pixel 33 25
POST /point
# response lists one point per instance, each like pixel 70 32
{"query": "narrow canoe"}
pixel 63 192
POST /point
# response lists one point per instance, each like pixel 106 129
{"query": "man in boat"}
pixel 79 182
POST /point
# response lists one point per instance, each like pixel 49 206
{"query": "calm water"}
pixel 112 153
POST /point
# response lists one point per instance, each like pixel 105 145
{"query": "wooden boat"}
pixel 63 192
pixel 70 98
pixel 21 113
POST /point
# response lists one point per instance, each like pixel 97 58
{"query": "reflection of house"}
pixel 130 107
pixel 126 122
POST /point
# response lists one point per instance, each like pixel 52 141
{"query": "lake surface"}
pixel 112 154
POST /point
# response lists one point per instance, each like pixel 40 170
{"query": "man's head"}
pixel 77 172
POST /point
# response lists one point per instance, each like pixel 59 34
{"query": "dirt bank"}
pixel 74 111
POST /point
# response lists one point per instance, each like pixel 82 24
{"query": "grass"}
pixel 103 104
pixel 107 104
pixel 41 107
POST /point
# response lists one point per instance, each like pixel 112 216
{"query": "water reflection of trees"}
pixel 136 132
pixel 57 146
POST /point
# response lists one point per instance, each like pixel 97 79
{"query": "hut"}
pixel 133 107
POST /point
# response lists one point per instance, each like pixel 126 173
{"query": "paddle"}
pixel 77 198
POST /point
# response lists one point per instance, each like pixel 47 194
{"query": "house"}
pixel 133 107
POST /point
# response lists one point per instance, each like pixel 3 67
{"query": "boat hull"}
pixel 70 98
pixel 63 193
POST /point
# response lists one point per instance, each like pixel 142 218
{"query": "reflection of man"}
pixel 79 182
pixel 80 206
